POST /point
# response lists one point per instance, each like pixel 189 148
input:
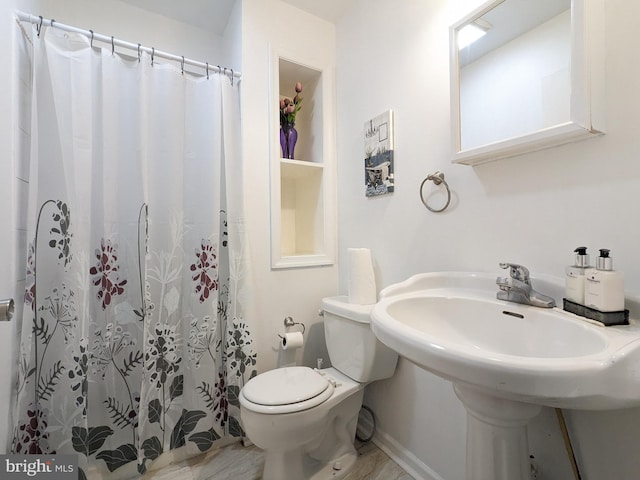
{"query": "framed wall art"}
pixel 378 155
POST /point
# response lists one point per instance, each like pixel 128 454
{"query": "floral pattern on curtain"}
pixel 133 336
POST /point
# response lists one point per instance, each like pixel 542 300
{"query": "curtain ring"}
pixel 182 65
pixel 207 70
pixel 39 26
pixel 153 53
pixel 139 52
pixel 113 46
pixel 91 43
pixel 231 77
pixel 437 178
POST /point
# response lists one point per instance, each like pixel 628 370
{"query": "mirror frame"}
pixel 587 89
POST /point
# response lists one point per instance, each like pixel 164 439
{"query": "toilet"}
pixel 305 419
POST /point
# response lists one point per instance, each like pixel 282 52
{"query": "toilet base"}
pixel 338 469
pixel 281 465
pixel 314 444
pixel 295 464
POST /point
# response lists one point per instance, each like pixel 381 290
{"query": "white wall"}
pixel 534 209
pixel 267 25
pixel 109 17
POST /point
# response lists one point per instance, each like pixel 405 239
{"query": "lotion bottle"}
pixel 575 275
pixel 604 286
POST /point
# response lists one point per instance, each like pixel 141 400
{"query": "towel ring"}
pixel 438 179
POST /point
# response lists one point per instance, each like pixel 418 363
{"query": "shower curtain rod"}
pixel 40 21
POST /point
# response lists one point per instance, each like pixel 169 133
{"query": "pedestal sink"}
pixel 506 360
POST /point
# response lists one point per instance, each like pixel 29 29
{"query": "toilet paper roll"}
pixel 362 282
pixel 291 341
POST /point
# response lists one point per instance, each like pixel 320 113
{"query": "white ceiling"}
pixel 330 10
pixel 213 14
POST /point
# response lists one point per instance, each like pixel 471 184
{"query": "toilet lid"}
pixel 285 386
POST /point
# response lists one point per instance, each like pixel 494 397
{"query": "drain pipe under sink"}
pixel 567 444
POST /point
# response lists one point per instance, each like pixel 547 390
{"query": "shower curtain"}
pixel 133 337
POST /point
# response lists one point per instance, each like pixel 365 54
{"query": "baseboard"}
pixel 403 457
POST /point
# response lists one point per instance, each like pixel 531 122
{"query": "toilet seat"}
pixel 286 390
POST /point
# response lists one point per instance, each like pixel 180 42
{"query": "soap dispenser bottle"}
pixel 604 286
pixel 575 275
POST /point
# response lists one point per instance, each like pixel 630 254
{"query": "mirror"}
pixel 525 75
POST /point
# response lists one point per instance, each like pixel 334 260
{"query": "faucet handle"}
pixel 519 272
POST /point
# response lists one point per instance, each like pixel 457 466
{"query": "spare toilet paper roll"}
pixel 362 282
pixel 291 341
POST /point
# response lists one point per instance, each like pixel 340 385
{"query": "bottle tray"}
pixel 606 318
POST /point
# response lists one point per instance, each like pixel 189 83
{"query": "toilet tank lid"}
pixel 340 306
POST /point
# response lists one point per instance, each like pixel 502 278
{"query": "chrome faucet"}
pixel 517 288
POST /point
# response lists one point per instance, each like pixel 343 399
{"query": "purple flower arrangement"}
pixel 289 108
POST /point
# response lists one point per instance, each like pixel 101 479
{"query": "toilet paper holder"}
pixel 289 322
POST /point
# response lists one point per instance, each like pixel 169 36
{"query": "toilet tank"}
pixel 353 348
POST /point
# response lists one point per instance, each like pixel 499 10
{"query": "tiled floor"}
pixel 236 462
pixel 374 464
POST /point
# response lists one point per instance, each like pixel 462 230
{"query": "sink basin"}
pixel 468 327
pixel 452 325
pixel 507 360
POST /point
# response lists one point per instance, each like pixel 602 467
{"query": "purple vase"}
pixel 288 139
pixel 283 143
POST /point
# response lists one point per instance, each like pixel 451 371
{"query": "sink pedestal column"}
pixel 497 445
